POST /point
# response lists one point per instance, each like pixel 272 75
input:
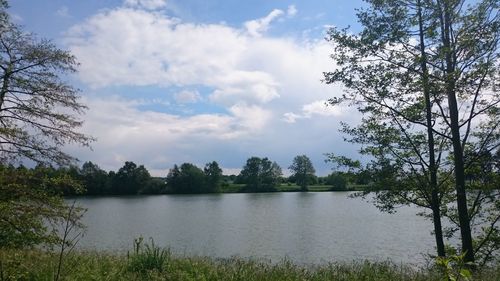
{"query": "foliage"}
pixel 154 186
pixel 338 181
pixel 95 180
pixel 213 176
pixel 130 179
pixel 453 268
pixel 38 265
pixel 72 230
pixel 147 257
pixel 38 110
pixel 31 206
pixel 38 116
pixel 302 171
pixel 260 175
pixel 188 178
pixel 424 75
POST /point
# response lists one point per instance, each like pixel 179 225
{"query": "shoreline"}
pixel 155 263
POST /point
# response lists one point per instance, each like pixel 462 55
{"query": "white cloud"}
pixel 187 96
pixel 147 4
pixel 260 85
pixel 291 11
pixel 160 139
pixel 258 26
pixel 250 118
pixel 319 108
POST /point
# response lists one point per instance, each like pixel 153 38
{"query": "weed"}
pixel 147 257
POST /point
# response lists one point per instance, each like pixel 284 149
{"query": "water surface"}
pixel 304 227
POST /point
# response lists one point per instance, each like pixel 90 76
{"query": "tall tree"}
pixel 260 174
pixel 213 176
pixel 410 70
pixel 302 171
pixel 94 179
pixel 191 179
pixel 38 115
pixel 130 179
pixel 38 109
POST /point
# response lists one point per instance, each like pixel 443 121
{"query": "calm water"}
pixel 304 227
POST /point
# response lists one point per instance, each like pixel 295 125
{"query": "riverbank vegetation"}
pixel 39 265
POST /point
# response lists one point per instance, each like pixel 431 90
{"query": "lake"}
pixel 303 227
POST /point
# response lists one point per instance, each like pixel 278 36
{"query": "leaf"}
pixel 465 273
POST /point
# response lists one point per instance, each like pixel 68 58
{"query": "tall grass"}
pixel 147 257
pixel 149 262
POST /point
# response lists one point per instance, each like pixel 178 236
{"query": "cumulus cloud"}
pixel 135 47
pixel 261 84
pixel 159 139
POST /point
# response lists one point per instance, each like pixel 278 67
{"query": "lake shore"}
pixel 158 264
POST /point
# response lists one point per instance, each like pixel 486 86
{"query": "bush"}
pixel 147 257
pixel 337 181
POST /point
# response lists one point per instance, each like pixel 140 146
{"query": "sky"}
pixel 174 81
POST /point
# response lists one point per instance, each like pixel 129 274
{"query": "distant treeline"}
pixel 258 175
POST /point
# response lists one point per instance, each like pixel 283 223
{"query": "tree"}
pixel 260 175
pixel 422 73
pixel 130 179
pixel 37 107
pixel 213 176
pixel 302 171
pixel 38 115
pixel 31 205
pixel 94 179
pixel 186 179
pixel 338 181
pixel 173 179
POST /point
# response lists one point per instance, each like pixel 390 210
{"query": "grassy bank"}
pixel 159 264
pixel 236 188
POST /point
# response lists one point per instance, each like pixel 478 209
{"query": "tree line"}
pixel 257 175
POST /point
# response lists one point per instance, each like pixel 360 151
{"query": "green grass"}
pixel 159 264
pixel 236 188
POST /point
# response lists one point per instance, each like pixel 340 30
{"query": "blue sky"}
pixel 171 81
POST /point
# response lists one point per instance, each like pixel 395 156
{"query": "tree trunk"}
pixel 458 159
pixel 435 204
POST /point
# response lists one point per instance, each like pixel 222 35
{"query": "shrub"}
pixel 147 257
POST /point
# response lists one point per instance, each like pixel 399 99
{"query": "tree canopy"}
pixel 424 75
pixel 302 171
pixel 38 116
pixel 260 175
pixel 188 178
pixel 38 109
